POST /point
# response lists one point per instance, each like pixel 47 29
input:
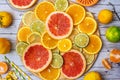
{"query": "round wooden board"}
pixel 88 66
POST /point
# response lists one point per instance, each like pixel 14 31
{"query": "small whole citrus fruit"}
pixel 105 16
pixel 93 75
pixel 5 19
pixel 5 46
pixel 113 34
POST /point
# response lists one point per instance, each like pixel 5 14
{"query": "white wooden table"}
pixel 10 33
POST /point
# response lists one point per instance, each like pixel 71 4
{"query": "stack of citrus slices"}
pixel 58 39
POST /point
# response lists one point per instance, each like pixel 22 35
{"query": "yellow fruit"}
pixel 105 16
pixel 5 45
pixel 93 76
pixel 5 19
pixel 50 73
pixel 23 33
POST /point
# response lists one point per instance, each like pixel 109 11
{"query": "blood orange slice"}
pixel 36 58
pixel 59 25
pixel 74 64
pixel 22 4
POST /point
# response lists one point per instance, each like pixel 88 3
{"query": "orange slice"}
pixel 48 42
pixel 43 9
pixel 3 67
pixel 87 2
pixel 106 64
pixel 77 13
pixel 88 26
pixel 50 73
pixel 94 45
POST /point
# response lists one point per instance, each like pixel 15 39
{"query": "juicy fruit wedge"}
pixel 38 26
pixel 3 68
pixel 94 45
pixel 34 38
pixel 48 42
pixel 61 5
pixel 28 18
pixel 23 33
pixel 74 64
pixel 87 2
pixel 88 26
pixel 20 47
pixel 36 58
pixel 77 13
pixel 43 9
pixel 22 4
pixel 57 61
pixel 81 40
pixel 106 64
pixel 50 73
pixel 59 25
pixel 64 45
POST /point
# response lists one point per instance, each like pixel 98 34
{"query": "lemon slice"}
pixel 61 5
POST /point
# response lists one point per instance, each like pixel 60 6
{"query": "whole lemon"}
pixel 5 19
pixel 5 46
pixel 93 75
pixel 105 16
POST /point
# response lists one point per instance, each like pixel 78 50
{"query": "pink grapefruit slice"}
pixel 59 25
pixel 36 58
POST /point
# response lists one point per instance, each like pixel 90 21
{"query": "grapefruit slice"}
pixel 74 64
pixel 36 58
pixel 22 4
pixel 59 25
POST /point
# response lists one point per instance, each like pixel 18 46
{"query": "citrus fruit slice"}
pixel 48 42
pixel 89 14
pixel 43 9
pixel 64 45
pixel 57 61
pixel 50 73
pixel 61 5
pixel 89 58
pixel 75 31
pixel 3 68
pixel 94 46
pixel 74 64
pixel 20 47
pixel 36 58
pixel 22 4
pixel 59 25
pixel 38 26
pixel 28 18
pixel 34 38
pixel 81 40
pixel 106 64
pixel 87 2
pixel 23 33
pixel 88 26
pixel 77 13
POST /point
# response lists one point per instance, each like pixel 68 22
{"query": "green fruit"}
pixel 113 34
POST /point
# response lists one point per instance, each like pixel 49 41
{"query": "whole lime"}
pixel 113 34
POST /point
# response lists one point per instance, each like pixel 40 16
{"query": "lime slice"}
pixel 28 18
pixel 56 51
pixel 89 58
pixel 57 61
pixel 34 38
pixel 38 26
pixel 61 5
pixel 81 40
pixel 77 48
pixel 20 47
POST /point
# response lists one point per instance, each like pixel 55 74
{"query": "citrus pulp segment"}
pixel 48 42
pixel 3 68
pixel 36 58
pixel 77 13
pixel 34 37
pixel 61 5
pixel 50 73
pixel 94 46
pixel 81 40
pixel 20 47
pixel 59 25
pixel 88 26
pixel 43 9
